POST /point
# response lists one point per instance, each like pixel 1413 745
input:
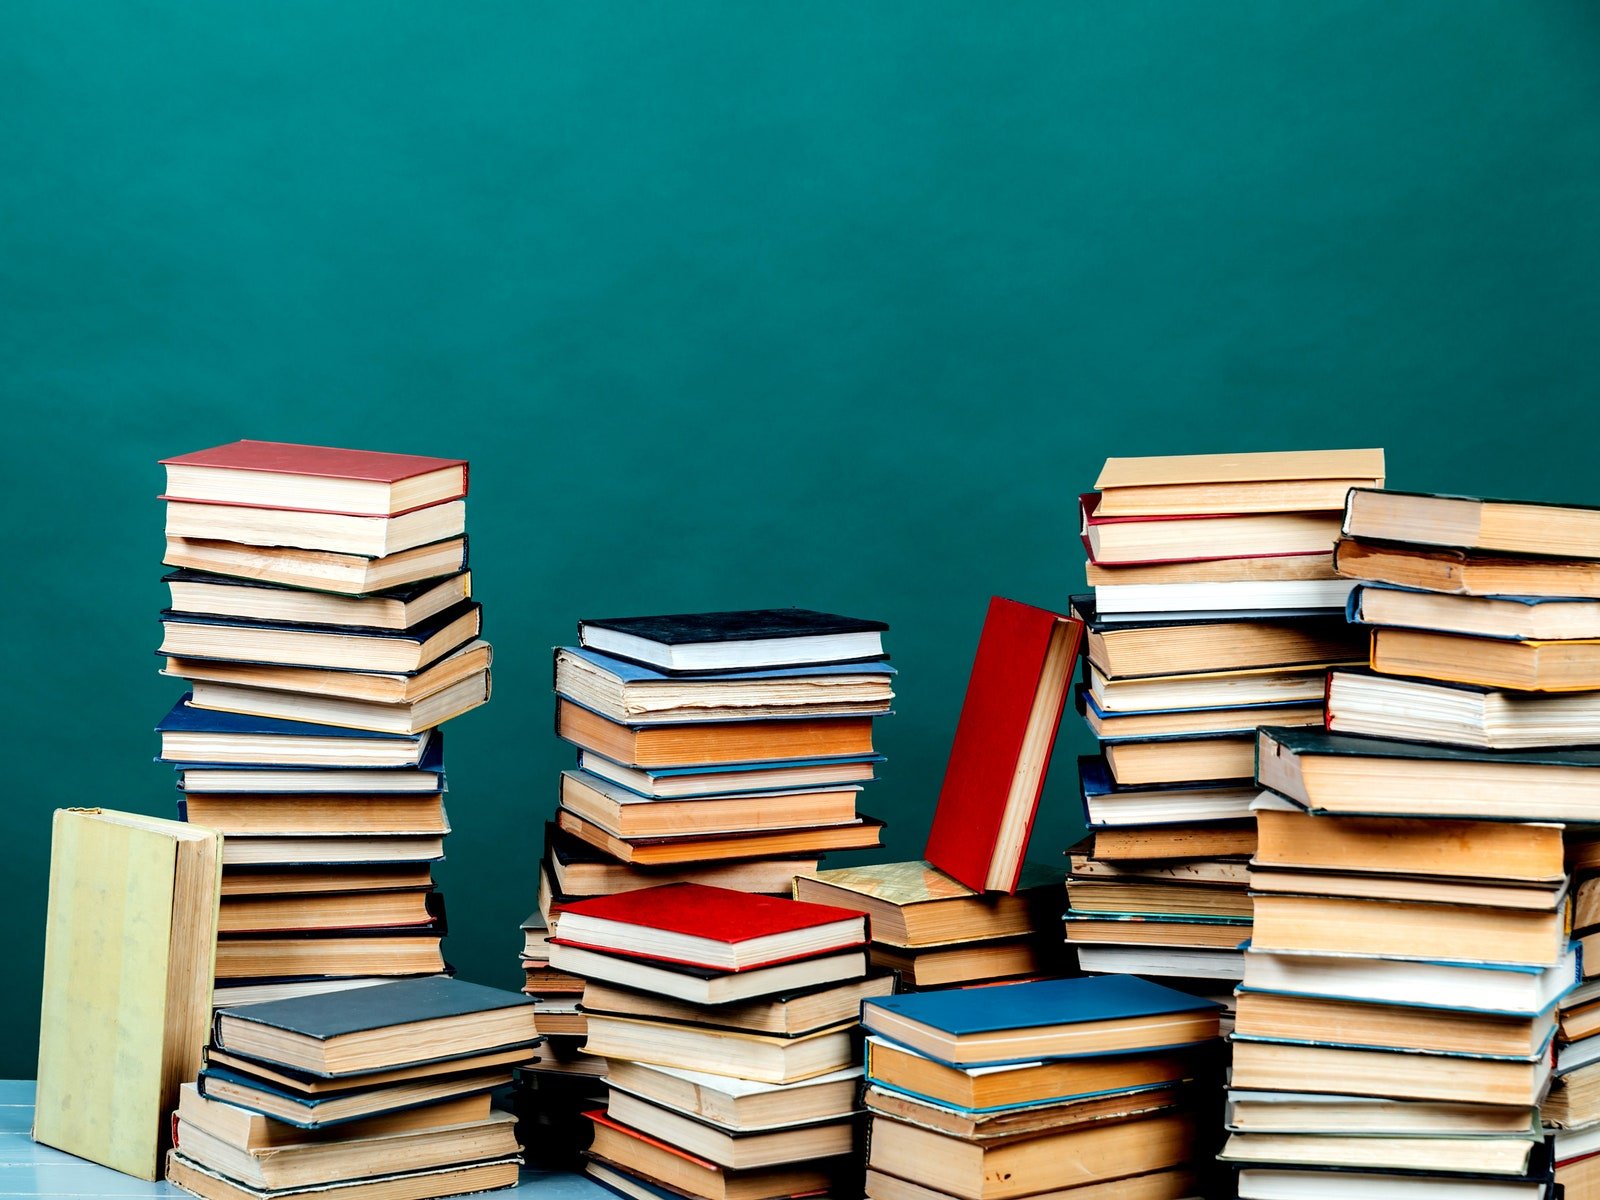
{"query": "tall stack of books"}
pixel 1412 979
pixel 1071 1088
pixel 380 1091
pixel 999 919
pixel 728 1022
pixel 321 614
pixel 1216 609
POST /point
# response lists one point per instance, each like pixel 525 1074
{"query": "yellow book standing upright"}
pixel 130 942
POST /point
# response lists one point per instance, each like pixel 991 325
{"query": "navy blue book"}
pixel 295 1107
pixel 749 639
pixel 1043 1019
pixel 379 1028
pixel 1109 805
pixel 201 735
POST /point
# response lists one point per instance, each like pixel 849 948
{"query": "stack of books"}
pixel 373 1092
pixel 1216 609
pixel 1412 978
pixel 1072 1088
pixel 321 615
pixel 972 911
pixel 728 1022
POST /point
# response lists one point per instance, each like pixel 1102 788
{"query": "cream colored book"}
pixel 1274 481
pixel 130 943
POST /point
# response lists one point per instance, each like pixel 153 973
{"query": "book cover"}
pixel 184 718
pixel 288 458
pixel 326 1015
pixel 1255 467
pixel 1002 747
pixel 628 671
pixel 960 1012
pixel 746 625
pixel 716 914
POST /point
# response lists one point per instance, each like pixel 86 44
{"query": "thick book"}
pixel 631 693
pixel 1262 481
pixel 1002 747
pixel 714 742
pixel 1110 805
pixel 705 849
pixel 715 928
pixel 426 775
pixel 707 780
pixel 735 641
pixel 130 935
pixel 1564 666
pixel 1458 714
pixel 318 478
pixel 1184 537
pixel 1333 773
pixel 472 1177
pixel 337 533
pixel 626 815
pixel 406 717
pixel 275 643
pixel 191 735
pixel 247 1096
pixel 1519 618
pixel 378 1028
pixel 336 686
pixel 640 1167
pixel 248 599
pixel 1042 1019
pixel 319 570
pixel 1472 523
pixel 1466 572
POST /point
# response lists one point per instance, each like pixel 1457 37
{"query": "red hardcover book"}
pixel 1002 746
pixel 297 478
pixel 709 928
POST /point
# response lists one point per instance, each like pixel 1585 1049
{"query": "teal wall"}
pixel 831 304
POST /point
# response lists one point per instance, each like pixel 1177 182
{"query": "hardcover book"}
pixel 316 478
pixel 743 640
pixel 1002 747
pixel 1270 481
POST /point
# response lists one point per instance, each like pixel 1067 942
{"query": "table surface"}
pixel 29 1169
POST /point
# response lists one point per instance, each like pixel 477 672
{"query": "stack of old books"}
pixel 382 1091
pixel 728 1023
pixel 972 911
pixel 321 614
pixel 1216 609
pixel 1068 1088
pixel 1411 980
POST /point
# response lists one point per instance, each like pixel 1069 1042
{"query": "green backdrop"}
pixel 734 304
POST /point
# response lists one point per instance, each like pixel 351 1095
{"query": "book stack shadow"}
pixel 1078 1088
pixel 321 614
pixel 1216 609
pixel 379 1092
pixel 725 749
pixel 1414 1017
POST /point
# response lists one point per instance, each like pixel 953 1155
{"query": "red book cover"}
pixel 710 913
pixel 328 462
pixel 990 749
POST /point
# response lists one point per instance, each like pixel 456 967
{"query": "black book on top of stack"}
pixel 321 614
pixel 378 1091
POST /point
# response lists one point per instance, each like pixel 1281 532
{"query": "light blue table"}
pixel 27 1169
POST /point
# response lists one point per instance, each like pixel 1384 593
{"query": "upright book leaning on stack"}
pixel 322 616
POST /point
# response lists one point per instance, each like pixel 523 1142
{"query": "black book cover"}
pixel 1311 619
pixel 417 633
pixel 747 625
pixel 327 1015
pixel 1310 740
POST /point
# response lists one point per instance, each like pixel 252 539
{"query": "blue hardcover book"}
pixel 1108 805
pixel 185 718
pixel 1042 1020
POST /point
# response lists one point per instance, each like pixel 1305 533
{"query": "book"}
pixel 1466 572
pixel 580 869
pixel 1209 689
pixel 1172 962
pixel 1019 1085
pixel 715 742
pixel 368 688
pixel 714 928
pixel 1288 836
pixel 371 651
pixel 406 1185
pixel 318 478
pixel 762 1058
pixel 737 1150
pixel 1012 1122
pixel 270 883
pixel 1490 1156
pixel 427 713
pixel 1259 597
pixel 1313 1112
pixel 1471 523
pixel 706 781
pixel 119 1032
pixel 862 834
pixel 1564 666
pixel 1161 928
pixel 1155 897
pixel 1268 481
pixel 355 1031
pixel 1178 722
pixel 744 640
pixel 317 815
pixel 1211 839
pixel 1207 758
pixel 370 536
pixel 735 1103
pixel 625 814
pixel 426 775
pixel 402 951
pixel 1445 983
pixel 970 962
pixel 1055 1018
pixel 1330 772
pixel 1356 885
pixel 247 599
pixel 1266 569
pixel 1175 1184
pixel 788 1012
pixel 1107 803
pixel 308 1086
pixel 322 852
pixel 1519 618
pixel 630 693
pixel 192 735
pixel 1329 1183
pixel 1456 714
pixel 1003 741
pixel 1399 1074
pixel 1127 649
pixel 250 1113
pixel 1268 1016
pixel 1174 537
pixel 624 1159
pixel 913 904
pixel 706 986
pixel 318 570
pixel 327 911
pixel 1014 1167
